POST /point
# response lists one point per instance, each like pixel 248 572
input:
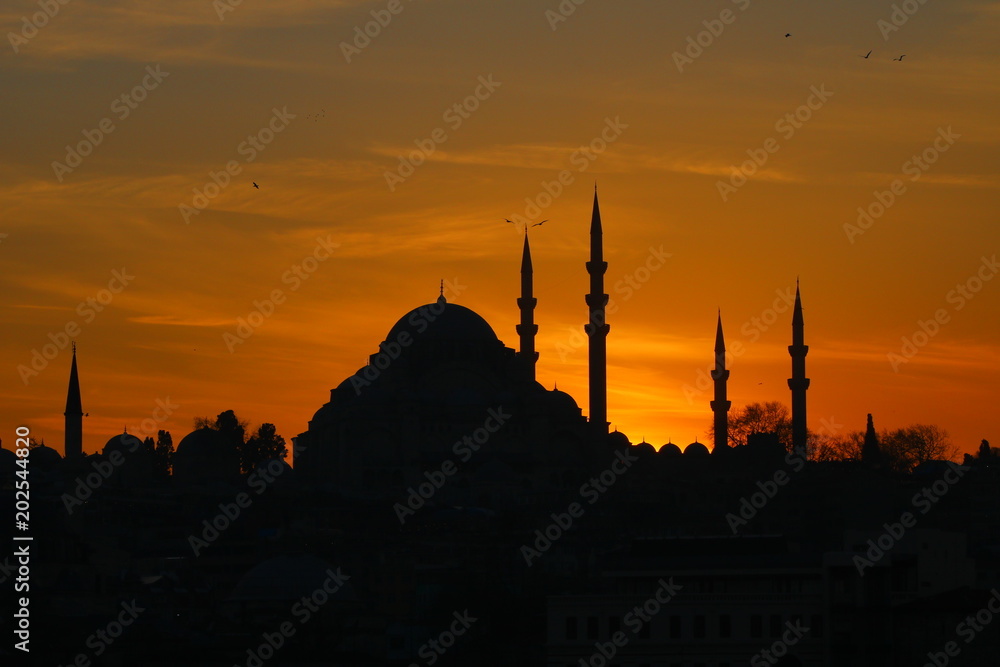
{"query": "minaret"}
pixel 871 451
pixel 798 382
pixel 527 328
pixel 720 406
pixel 73 414
pixel 596 328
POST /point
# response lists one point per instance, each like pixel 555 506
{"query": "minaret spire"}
pixel 527 328
pixel 597 328
pixel 721 404
pixel 871 451
pixel 73 438
pixel 798 382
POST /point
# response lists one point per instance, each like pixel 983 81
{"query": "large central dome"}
pixel 442 321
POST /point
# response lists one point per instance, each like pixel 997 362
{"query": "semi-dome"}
pixel 442 321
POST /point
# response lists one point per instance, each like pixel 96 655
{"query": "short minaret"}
pixel 74 413
pixel 527 328
pixel 720 406
pixel 597 329
pixel 798 382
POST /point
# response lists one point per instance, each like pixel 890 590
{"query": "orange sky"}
pixel 555 86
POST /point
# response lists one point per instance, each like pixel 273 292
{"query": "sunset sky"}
pixel 666 121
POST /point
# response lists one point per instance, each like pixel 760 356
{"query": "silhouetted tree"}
pixel 262 446
pixel 840 448
pixel 163 455
pixel 769 417
pixel 906 448
pixel 985 453
pixel 902 449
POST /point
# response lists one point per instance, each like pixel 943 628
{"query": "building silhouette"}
pixel 442 479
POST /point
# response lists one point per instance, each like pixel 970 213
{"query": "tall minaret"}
pixel 596 328
pixel 527 328
pixel 720 406
pixel 798 382
pixel 73 414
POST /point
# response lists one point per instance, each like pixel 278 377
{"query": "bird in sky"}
pixel 900 58
pixel 256 186
pixel 538 223
pixel 508 220
pixel 866 55
pixel 788 34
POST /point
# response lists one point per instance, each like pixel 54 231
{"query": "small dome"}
pixel 696 449
pixel 125 443
pixel 442 321
pixel 644 449
pixel 670 450
pixel 560 400
pixel 43 455
pixel 200 442
pixel 619 439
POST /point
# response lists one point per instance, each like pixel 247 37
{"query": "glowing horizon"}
pixel 760 159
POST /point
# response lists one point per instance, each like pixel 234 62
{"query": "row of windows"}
pixel 694 627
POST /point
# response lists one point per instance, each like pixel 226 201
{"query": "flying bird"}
pixel 538 223
pixel 256 186
pixel 866 55
pixel 788 34
pixel 900 58
pixel 510 221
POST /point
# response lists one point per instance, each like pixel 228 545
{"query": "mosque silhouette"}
pixel 449 509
